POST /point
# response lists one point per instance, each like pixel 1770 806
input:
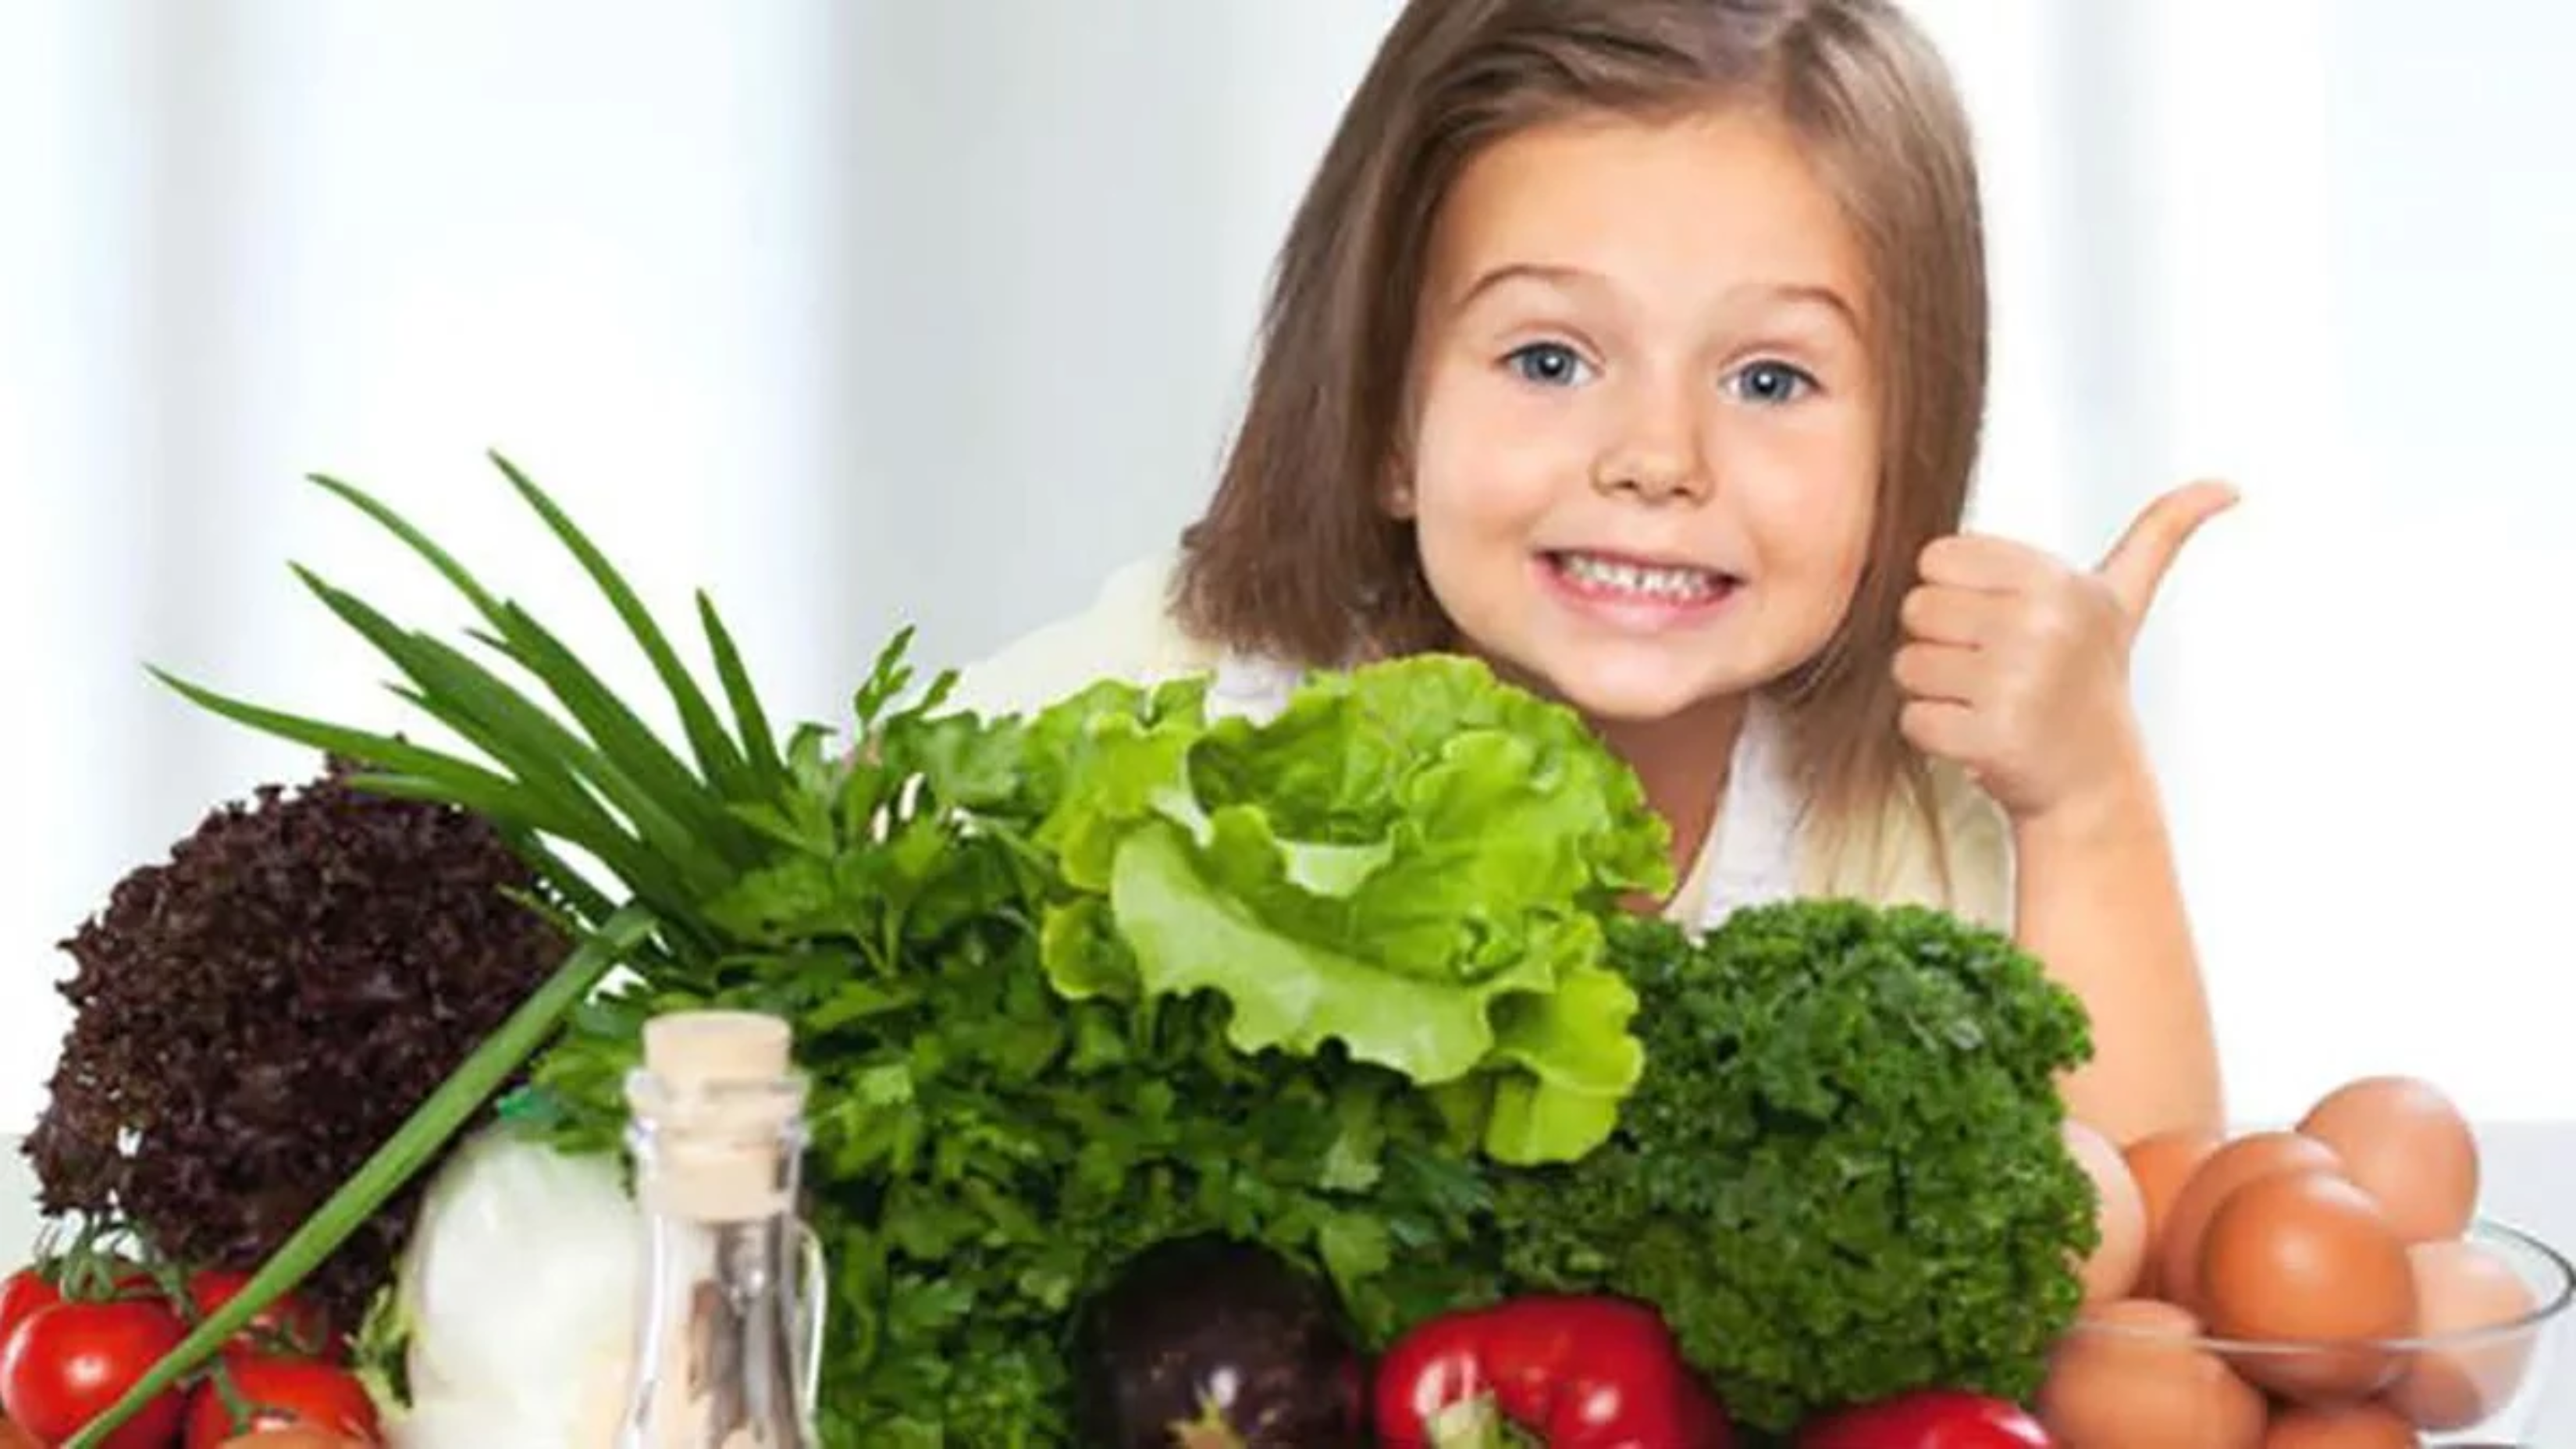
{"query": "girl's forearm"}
pixel 2099 903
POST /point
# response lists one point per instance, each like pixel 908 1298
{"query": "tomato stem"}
pixel 237 1405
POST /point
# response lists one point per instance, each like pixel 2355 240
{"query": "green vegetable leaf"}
pixel 1408 864
pixel 643 778
pixel 718 756
pixel 759 745
pixel 1284 993
pixel 1085 954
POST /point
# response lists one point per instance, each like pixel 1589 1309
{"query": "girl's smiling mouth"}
pixel 1629 590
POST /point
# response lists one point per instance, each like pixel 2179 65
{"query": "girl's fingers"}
pixel 1985 564
pixel 1966 617
pixel 1942 729
pixel 1944 672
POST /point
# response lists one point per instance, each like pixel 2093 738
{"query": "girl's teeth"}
pixel 1657 583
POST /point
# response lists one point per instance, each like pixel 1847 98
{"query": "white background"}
pixel 869 313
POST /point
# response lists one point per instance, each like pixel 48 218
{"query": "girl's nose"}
pixel 1657 459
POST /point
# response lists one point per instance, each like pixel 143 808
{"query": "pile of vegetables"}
pixel 1188 1079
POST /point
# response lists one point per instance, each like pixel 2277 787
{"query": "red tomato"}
pixel 279 1393
pixel 288 1325
pixel 72 1361
pixel 1929 1419
pixel 23 1295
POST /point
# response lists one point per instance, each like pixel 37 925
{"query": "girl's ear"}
pixel 1395 489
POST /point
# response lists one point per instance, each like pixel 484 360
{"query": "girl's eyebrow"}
pixel 1808 294
pixel 1568 278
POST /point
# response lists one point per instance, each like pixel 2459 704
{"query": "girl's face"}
pixel 1644 445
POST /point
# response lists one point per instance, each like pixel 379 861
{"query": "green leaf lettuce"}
pixel 1410 862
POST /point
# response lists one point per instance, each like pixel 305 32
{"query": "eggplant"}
pixel 1209 1342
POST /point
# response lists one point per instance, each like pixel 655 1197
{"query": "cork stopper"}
pixel 694 1051
pixel 719 1094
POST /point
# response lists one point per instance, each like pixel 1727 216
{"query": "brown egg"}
pixel 2406 1144
pixel 2251 1157
pixel 2461 1287
pixel 2132 1375
pixel 2340 1426
pixel 2307 1257
pixel 2160 1165
pixel 2112 1270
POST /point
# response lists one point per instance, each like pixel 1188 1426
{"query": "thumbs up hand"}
pixel 2016 666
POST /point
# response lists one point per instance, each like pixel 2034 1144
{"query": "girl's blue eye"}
pixel 1770 383
pixel 1549 364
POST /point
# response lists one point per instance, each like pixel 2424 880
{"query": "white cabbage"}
pixel 520 1287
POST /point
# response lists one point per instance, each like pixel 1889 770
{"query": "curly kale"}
pixel 1843 1175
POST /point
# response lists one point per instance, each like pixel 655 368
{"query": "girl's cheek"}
pixel 1490 467
pixel 1809 501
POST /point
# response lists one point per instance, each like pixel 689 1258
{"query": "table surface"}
pixel 2528 1170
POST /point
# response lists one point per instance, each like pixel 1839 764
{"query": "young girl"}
pixel 1638 347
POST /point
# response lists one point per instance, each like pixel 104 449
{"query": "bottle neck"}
pixel 718 1352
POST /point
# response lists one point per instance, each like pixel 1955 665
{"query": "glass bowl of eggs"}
pixel 2323 1286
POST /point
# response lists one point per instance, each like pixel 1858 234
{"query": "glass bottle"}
pixel 726 1346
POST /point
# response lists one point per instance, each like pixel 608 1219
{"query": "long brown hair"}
pixel 1296 558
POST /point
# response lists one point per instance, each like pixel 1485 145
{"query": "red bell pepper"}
pixel 1928 1419
pixel 1577 1372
